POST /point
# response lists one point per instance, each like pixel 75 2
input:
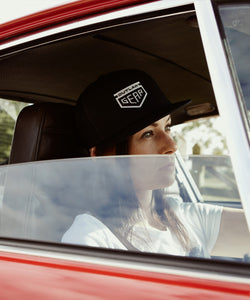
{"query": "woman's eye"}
pixel 147 134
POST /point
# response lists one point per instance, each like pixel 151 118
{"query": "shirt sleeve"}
pixel 204 219
pixel 89 231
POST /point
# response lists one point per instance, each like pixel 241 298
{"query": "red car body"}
pixel 62 14
pixel 33 276
pixel 50 272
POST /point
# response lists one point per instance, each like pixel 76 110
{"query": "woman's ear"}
pixel 92 151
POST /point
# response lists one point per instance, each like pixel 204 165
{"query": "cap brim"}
pixel 144 122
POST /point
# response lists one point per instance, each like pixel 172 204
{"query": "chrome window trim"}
pixel 234 73
pixel 128 264
pixel 226 98
pixel 127 12
pixel 185 177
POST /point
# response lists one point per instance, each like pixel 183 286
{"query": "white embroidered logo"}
pixel 131 96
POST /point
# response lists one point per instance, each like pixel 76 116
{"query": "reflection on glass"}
pixel 140 203
pixel 236 22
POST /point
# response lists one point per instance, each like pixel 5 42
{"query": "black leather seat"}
pixel 44 131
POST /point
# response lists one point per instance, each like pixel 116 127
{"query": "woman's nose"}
pixel 168 145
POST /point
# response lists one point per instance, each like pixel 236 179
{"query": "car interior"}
pixel 168 47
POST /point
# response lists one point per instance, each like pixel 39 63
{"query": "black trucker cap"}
pixel 119 104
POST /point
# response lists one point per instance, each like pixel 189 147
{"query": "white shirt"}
pixel 202 222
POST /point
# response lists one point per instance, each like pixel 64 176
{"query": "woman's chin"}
pixel 161 183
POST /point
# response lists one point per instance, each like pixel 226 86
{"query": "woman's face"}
pixel 150 172
pixel 153 172
pixel 153 139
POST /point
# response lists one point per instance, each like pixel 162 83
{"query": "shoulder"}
pixel 88 230
pixel 88 220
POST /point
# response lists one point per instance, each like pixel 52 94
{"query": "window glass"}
pixel 204 149
pixel 96 202
pixel 9 111
pixel 235 19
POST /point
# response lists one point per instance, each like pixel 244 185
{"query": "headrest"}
pixel 44 131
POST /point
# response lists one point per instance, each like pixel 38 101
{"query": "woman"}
pixel 125 113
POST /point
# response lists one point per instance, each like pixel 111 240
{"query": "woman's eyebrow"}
pixel 168 120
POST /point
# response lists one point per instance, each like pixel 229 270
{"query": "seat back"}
pixel 44 131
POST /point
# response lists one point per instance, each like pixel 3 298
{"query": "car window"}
pixel 92 202
pixel 204 149
pixel 9 111
pixel 95 201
